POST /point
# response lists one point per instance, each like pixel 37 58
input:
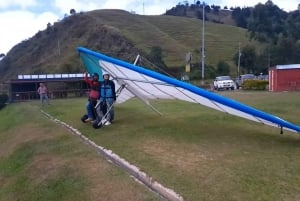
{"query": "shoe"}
pixel 104 121
pixel 89 120
pixel 107 123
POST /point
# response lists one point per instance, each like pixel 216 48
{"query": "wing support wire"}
pixel 118 92
pixel 140 96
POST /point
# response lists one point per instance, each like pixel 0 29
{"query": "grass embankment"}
pixel 200 153
pixel 40 160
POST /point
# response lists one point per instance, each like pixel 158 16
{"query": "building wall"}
pixel 21 90
pixel 284 79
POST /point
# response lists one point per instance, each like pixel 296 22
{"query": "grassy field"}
pixel 42 161
pixel 200 153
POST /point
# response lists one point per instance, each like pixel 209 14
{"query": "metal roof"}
pixel 289 66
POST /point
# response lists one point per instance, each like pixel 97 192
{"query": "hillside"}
pixel 123 35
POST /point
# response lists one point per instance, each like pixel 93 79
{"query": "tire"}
pixel 96 122
pixel 84 117
pixel 112 116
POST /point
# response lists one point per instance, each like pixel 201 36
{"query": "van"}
pixel 239 81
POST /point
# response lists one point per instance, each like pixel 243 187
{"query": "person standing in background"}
pixel 43 93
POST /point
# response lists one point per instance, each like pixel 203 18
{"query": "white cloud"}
pixel 287 5
pixel 147 7
pixel 118 4
pixel 21 25
pixel 79 5
pixel 17 3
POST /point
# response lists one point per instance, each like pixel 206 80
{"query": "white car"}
pixel 223 82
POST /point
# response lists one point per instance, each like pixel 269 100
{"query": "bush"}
pixel 255 85
pixel 3 100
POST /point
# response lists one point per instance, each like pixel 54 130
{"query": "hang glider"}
pixel 146 85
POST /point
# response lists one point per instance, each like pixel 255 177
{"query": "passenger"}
pixel 94 85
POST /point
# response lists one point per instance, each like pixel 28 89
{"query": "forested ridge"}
pixel 277 30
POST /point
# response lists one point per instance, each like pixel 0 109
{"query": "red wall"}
pixel 284 79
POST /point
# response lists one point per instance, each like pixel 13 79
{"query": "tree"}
pixel 284 51
pixel 48 30
pixel 72 11
pixel 248 59
pixel 156 53
pixel 216 9
pixel 156 56
pixel 267 22
pixel 3 100
pixel 264 61
pixel 207 9
pixel 223 68
pixel 241 16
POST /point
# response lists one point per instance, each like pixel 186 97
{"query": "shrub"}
pixel 3 100
pixel 255 85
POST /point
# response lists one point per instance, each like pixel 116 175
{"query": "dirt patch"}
pixel 167 153
pixel 103 185
pixel 44 166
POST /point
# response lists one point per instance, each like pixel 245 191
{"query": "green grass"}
pixel 66 185
pixel 175 35
pixel 204 154
pixel 201 153
pixel 40 160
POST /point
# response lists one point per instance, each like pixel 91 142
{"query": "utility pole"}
pixel 269 60
pixel 203 45
pixel 143 8
pixel 58 47
pixel 239 60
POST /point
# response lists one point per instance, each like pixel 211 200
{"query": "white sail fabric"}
pixel 146 84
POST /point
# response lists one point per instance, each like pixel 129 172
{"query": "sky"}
pixel 22 19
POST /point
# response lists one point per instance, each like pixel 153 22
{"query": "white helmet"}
pixel 105 73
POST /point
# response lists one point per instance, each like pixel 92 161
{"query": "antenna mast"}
pixel 203 45
pixel 143 9
pixel 239 59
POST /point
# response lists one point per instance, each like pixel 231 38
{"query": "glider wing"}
pixel 146 84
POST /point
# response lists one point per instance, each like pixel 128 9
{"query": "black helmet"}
pixel 96 75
